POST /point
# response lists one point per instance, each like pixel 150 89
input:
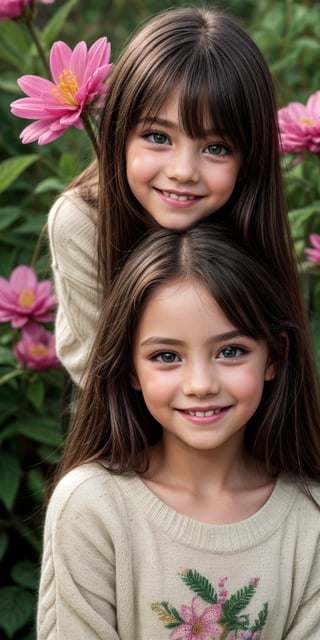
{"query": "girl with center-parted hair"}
pixel 188 133
pixel 187 500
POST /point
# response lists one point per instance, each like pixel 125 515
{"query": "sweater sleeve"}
pixel 72 238
pixel 77 594
pixel 306 624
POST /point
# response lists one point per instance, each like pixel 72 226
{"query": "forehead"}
pixel 182 305
pixel 172 108
pixel 197 120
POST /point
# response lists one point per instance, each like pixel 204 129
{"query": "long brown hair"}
pixel 222 74
pixel 112 422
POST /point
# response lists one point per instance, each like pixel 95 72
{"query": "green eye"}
pixel 230 352
pixel 166 357
pixel 158 138
pixel 216 150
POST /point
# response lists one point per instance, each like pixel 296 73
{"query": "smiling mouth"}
pixel 176 196
pixel 204 414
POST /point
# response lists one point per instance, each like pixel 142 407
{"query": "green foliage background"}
pixel 288 32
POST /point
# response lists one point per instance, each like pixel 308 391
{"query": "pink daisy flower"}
pixel 11 9
pixel 24 298
pixel 78 81
pixel 300 126
pixel 36 349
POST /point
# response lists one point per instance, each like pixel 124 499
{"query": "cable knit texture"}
pixel 119 564
pixel 72 238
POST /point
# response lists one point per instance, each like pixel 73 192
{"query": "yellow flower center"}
pixel 197 627
pixel 26 298
pixel 38 350
pixel 307 120
pixel 67 88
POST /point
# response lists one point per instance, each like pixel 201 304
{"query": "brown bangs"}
pixel 208 100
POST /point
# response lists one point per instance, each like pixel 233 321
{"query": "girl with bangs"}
pixel 188 134
pixel 186 505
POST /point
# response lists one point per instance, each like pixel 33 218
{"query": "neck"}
pixel 173 464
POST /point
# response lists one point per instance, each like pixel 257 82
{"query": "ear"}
pixel 272 366
pixel 270 371
pixel 134 381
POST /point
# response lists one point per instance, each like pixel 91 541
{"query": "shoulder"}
pixel 79 485
pixel 72 227
pixel 304 508
pixel 71 212
pixel 86 494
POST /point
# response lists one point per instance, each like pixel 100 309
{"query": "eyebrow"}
pixel 162 122
pixel 229 335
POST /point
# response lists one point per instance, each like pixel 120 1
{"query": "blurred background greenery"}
pixel 288 32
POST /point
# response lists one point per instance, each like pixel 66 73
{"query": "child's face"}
pixel 200 377
pixel 179 180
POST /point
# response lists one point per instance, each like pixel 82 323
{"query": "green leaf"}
pixel 11 169
pixel 4 542
pixel 14 44
pixel 7 409
pixel 53 28
pixel 49 456
pixel 44 430
pixel 200 585
pixel 7 356
pixel 237 602
pixel 16 608
pixel 10 474
pixel 33 226
pixel 9 86
pixel 36 484
pixel 8 215
pixel 25 574
pixel 68 166
pixel 261 619
pixel 49 184
pixel 35 392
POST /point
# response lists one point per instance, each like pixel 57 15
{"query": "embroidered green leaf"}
pixel 241 623
pixel 200 585
pixel 237 602
pixel 167 614
pixel 261 619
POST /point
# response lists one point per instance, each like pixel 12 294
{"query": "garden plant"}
pixel 52 82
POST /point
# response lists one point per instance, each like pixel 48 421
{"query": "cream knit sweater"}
pixel 120 564
pixel 72 237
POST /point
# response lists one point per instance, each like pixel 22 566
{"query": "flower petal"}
pixel 34 86
pixel 60 56
pixel 79 60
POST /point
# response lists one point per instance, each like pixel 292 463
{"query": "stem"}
pixel 37 43
pixel 38 245
pixel 89 130
pixel 12 374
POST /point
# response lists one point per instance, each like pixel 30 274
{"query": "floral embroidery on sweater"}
pixel 223 619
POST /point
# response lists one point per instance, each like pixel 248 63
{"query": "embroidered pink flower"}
pixel 300 126
pixel 24 298
pixel 78 81
pixel 198 625
pixel 313 254
pixel 36 349
pixel 11 9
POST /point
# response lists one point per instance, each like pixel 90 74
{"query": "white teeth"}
pixel 203 414
pixel 175 196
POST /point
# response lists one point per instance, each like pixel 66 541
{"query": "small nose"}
pixel 200 381
pixel 183 165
